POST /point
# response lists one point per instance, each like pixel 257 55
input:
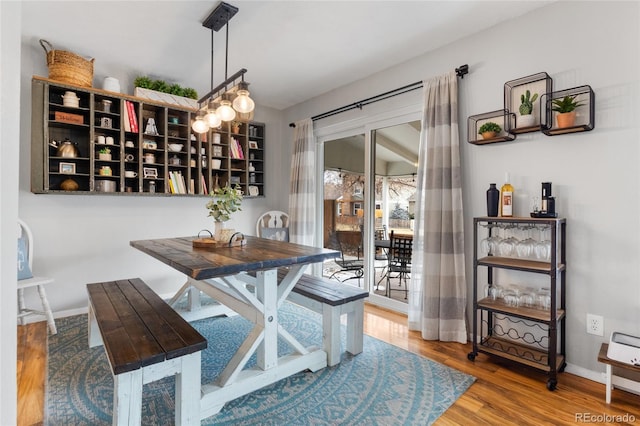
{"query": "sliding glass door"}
pixel 368 187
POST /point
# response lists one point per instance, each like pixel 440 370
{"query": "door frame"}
pixel 364 125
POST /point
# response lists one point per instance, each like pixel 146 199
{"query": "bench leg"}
pixel 331 333
pixel 95 338
pixel 188 391
pixel 355 327
pixel 609 384
pixel 127 398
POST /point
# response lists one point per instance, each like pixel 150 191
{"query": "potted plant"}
pixel 526 118
pixel 489 130
pixel 225 201
pixel 566 109
pixel 235 126
pixel 104 154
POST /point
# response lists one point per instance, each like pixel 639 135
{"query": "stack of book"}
pixel 236 149
pixel 129 118
pixel 176 183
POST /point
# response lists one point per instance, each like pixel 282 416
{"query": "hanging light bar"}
pixel 230 99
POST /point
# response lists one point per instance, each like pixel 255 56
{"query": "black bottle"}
pixel 493 200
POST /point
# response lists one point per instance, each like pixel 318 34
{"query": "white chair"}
pixel 273 225
pixel 25 258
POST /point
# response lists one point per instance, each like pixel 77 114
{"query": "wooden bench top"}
pixel 138 328
pixel 326 291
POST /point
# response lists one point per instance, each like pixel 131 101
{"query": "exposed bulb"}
pixel 243 103
pixel 225 112
pixel 212 119
pixel 199 125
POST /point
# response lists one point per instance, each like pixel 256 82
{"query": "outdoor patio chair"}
pixel 353 266
pixel 400 250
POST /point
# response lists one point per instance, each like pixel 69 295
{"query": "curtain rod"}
pixel 460 72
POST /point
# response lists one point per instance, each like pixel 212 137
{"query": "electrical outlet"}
pixel 595 325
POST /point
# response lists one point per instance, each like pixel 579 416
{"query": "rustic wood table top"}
pixel 203 263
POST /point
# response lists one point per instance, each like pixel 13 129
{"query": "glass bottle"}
pixel 493 200
pixel 506 198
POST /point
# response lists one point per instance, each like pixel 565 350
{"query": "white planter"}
pixel 526 120
pixel 167 98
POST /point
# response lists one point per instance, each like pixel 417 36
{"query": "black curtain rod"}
pixel 460 72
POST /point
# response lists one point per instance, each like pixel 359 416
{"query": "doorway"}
pixel 368 184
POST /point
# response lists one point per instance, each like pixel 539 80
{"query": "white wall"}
pixel 595 174
pixel 85 238
pixel 9 143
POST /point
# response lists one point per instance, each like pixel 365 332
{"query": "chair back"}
pixel 401 247
pixel 274 225
pixel 25 233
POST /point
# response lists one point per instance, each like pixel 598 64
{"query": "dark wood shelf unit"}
pixel 92 118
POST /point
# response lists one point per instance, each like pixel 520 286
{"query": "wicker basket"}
pixel 68 67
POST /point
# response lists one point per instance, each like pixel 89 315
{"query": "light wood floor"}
pixel 503 393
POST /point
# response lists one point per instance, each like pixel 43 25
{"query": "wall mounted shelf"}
pixel 585 113
pixel 502 117
pixel 539 83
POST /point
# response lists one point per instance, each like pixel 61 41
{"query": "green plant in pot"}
pixel 224 202
pixel 526 118
pixel 104 154
pixel 489 130
pixel 566 109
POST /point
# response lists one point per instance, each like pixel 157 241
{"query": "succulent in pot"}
pixel 566 109
pixel 489 130
pixel 104 154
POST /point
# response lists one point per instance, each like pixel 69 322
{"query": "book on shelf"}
pixel 203 185
pixel 236 149
pixel 125 118
pixel 133 120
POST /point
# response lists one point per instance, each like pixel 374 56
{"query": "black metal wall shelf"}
pixel 502 117
pixel 540 84
pixel 584 114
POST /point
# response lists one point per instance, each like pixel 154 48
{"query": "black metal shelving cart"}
pixel 518 327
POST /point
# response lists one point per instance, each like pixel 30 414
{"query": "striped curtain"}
pixel 437 296
pixel 302 203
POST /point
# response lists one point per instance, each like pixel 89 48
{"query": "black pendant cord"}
pixel 226 51
pixel 460 72
pixel 211 86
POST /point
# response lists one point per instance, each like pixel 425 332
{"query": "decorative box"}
pixel 66 117
pixel 624 348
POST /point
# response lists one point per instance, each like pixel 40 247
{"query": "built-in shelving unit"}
pixel 161 157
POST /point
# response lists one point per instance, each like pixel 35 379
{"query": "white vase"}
pixel 526 120
pixel 221 233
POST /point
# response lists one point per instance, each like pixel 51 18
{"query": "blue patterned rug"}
pixel 384 385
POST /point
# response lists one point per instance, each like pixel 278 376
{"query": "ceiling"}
pixel 293 50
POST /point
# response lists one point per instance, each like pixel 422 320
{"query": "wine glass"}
pixel 525 247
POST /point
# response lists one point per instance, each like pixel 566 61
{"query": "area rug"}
pixel 384 385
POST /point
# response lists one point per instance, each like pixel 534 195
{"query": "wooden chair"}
pixel 401 247
pixel 25 266
pixel 273 225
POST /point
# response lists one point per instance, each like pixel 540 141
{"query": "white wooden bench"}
pixel 332 299
pixel 145 340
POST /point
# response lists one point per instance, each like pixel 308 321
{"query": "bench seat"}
pixel 145 340
pixel 332 299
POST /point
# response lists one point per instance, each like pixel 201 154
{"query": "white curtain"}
pixel 437 295
pixel 302 204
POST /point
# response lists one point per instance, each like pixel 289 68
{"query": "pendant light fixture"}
pixel 230 99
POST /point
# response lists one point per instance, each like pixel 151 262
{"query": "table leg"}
pixel 267 293
pixel 188 391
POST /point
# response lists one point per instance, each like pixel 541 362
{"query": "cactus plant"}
pixel 527 101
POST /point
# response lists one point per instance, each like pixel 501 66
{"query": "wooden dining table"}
pixel 245 280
